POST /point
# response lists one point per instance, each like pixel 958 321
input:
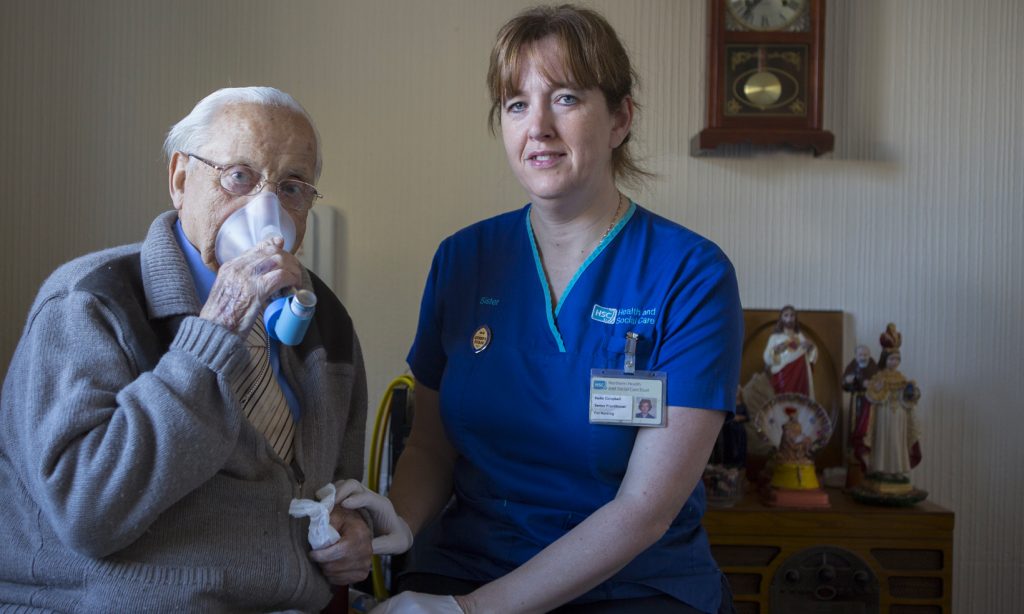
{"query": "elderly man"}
pixel 152 435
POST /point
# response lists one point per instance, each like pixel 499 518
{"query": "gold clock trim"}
pixel 738 58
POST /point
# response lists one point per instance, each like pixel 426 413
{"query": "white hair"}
pixel 192 131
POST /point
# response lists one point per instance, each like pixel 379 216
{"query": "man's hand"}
pixel 348 560
pixel 245 284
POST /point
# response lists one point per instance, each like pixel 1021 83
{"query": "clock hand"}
pixel 748 13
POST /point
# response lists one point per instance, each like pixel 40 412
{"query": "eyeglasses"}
pixel 244 180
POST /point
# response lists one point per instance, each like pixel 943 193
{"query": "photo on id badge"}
pixel 647 409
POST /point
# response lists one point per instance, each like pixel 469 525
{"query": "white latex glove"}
pixel 419 603
pixel 393 535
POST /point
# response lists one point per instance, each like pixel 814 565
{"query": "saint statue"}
pixel 724 473
pixel 790 419
pixel 796 426
pixel 794 447
pixel 885 436
pixel 862 368
pixel 859 371
pixel 789 356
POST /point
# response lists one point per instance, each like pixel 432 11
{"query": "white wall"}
pixel 916 218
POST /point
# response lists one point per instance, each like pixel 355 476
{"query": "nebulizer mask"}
pixel 287 317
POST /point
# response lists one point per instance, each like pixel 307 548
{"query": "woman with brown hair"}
pixel 523 495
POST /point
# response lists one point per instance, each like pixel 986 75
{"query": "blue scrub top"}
pixel 530 465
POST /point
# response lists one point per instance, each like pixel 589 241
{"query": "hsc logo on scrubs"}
pixel 604 314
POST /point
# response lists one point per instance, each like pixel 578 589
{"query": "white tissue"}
pixel 321 533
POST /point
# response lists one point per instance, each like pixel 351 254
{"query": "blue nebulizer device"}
pixel 287 318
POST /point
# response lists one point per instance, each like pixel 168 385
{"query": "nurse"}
pixel 534 326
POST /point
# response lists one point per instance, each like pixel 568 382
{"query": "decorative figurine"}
pixel 789 356
pixel 796 426
pixel 885 437
pixel 724 473
pixel 860 370
pixel 855 376
pixel 792 421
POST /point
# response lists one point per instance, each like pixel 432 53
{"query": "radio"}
pixel 847 558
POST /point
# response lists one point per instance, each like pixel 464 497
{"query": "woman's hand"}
pixel 392 533
pixel 606 541
pixel 419 603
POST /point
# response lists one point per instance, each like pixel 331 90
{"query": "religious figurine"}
pixel 724 473
pixel 732 441
pixel 796 426
pixel 789 356
pixel 794 447
pixel 885 437
pixel 788 417
pixel 860 370
pixel 855 376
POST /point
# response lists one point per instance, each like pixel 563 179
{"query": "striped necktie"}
pixel 260 395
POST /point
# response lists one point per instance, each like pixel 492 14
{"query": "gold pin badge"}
pixel 481 339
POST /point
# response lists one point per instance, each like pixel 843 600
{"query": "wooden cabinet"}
pixel 848 558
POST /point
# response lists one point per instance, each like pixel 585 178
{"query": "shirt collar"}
pixel 201 275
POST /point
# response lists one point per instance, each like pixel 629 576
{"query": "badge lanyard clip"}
pixel 630 367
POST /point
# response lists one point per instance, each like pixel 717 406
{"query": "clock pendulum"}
pixel 762 88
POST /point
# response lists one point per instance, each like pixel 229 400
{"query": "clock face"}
pixel 766 80
pixel 768 15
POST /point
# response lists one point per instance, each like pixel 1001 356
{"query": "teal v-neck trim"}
pixel 550 310
pixel 594 254
pixel 544 283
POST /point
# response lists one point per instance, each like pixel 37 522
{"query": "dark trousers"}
pixel 659 604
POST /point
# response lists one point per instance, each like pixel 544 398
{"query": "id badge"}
pixel 628 397
pixel 634 399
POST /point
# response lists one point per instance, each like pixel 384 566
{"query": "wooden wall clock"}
pixel 765 75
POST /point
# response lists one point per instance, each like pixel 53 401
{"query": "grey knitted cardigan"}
pixel 129 481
